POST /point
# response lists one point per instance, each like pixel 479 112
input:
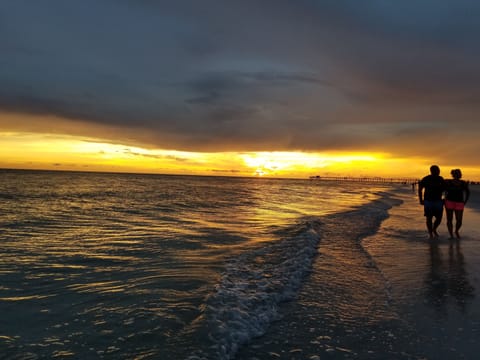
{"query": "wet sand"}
pixel 435 284
pixel 393 295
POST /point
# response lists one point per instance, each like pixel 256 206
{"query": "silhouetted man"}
pixel 430 191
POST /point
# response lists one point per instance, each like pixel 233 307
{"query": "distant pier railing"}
pixel 367 179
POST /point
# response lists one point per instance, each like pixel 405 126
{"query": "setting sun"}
pixel 269 163
pixel 46 151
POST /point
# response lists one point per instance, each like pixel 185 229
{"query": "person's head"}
pixel 456 173
pixel 434 170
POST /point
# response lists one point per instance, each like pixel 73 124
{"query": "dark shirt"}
pixel 455 190
pixel 434 187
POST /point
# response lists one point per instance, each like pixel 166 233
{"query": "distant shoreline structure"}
pixel 376 179
pixel 367 179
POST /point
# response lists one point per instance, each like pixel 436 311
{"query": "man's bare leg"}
pixel 435 226
pixel 430 227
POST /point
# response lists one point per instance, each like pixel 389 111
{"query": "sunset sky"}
pixel 241 88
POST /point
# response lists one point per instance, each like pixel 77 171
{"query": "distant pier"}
pixel 366 179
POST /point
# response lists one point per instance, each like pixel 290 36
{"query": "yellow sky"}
pixel 46 151
pixel 26 146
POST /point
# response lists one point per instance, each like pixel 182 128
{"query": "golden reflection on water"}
pixel 4 337
pixel 24 298
pixel 104 287
pixel 67 266
pixel 129 257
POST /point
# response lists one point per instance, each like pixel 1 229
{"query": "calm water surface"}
pixel 125 266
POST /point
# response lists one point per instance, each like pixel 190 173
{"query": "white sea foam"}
pixel 247 298
pixel 254 284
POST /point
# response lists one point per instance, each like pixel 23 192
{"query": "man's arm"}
pixel 420 192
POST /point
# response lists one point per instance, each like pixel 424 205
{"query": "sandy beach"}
pixel 435 284
pixel 404 298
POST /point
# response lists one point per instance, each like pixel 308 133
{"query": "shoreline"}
pixel 434 282
pixel 401 297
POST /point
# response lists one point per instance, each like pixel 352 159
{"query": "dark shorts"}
pixel 433 208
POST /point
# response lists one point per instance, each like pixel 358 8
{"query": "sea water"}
pixel 123 266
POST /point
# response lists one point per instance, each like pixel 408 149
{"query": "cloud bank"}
pixel 398 77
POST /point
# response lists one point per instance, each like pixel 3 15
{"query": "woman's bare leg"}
pixel 450 222
pixel 458 222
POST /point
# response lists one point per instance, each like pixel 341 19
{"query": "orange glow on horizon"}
pixel 271 163
pixel 56 152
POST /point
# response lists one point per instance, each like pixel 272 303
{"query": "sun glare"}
pixel 46 151
pixel 274 163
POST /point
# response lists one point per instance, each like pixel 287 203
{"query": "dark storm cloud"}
pixel 252 75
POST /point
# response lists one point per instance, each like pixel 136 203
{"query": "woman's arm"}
pixel 467 192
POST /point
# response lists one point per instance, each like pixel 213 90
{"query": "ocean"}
pixel 125 266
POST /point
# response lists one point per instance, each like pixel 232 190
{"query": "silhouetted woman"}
pixel 457 194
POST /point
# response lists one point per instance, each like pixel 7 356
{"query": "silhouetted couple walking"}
pixel 434 192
